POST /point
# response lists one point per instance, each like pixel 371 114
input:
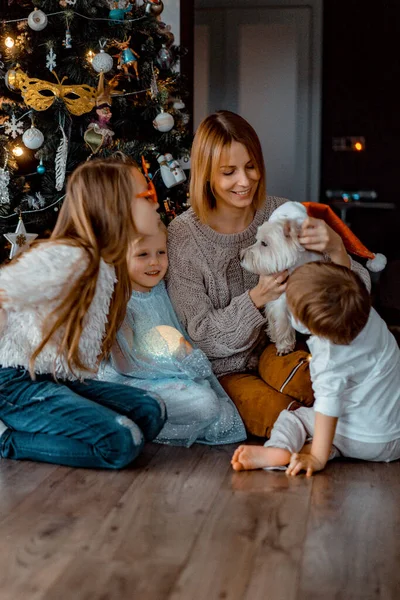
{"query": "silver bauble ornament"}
pixel 102 62
pixel 37 20
pixel 33 138
pixel 163 122
pixel 154 7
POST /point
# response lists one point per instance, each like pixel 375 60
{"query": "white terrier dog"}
pixel 277 248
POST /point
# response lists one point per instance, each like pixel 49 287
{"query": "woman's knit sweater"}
pixel 34 286
pixel 210 290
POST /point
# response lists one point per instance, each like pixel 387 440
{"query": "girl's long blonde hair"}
pixel 97 216
pixel 214 135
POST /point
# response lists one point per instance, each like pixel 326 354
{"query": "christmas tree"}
pixel 82 79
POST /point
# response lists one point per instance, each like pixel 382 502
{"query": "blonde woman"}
pixel 219 303
pixel 64 301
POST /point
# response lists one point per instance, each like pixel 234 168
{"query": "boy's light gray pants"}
pixel 293 428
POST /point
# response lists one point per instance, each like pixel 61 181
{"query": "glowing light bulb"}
pixel 90 56
pixel 9 42
pixel 358 146
pixel 18 151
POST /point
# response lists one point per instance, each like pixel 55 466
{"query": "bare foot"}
pixel 258 457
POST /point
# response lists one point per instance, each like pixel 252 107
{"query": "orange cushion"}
pixel 259 405
pixel 289 374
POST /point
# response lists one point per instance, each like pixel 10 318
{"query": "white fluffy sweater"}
pixel 34 286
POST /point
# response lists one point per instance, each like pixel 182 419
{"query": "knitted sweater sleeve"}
pixel 41 274
pixel 219 332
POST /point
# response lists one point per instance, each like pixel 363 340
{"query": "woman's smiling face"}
pixel 237 177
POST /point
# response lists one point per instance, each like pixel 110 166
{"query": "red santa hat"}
pixel 298 211
pixel 375 262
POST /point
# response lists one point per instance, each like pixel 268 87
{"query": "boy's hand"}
pixel 304 462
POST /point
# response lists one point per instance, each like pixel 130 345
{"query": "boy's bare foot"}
pixel 258 457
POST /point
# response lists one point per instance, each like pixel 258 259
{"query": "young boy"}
pixel 355 373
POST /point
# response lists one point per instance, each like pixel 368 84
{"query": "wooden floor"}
pixel 181 525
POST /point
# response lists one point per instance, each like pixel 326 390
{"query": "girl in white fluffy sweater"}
pixel 63 302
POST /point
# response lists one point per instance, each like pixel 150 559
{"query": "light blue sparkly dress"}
pixel 150 353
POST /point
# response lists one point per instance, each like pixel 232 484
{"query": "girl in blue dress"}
pixel 153 352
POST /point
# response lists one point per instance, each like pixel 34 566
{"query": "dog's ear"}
pixel 291 229
pixel 286 229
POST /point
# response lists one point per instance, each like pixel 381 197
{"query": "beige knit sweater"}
pixel 209 289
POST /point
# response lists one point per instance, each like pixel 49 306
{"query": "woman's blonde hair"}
pixel 96 216
pixel 330 300
pixel 214 135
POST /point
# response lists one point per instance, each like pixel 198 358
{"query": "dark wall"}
pixel 187 41
pixel 361 73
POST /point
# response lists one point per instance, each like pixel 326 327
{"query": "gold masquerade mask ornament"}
pixel 40 95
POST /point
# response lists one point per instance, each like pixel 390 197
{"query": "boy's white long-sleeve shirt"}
pixel 359 383
pixel 34 286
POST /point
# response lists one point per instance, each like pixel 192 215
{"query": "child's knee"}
pixel 155 416
pixel 205 405
pixel 125 444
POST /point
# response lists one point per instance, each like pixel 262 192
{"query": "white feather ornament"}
pixel 61 161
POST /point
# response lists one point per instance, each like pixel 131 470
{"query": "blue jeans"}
pixel 79 424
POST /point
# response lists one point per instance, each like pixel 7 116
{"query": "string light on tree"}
pixel 9 42
pixel 17 151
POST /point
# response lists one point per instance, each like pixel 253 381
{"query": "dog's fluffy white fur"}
pixel 276 249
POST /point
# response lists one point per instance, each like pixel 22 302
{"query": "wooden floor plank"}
pixel 154 525
pixel 163 516
pixel 58 519
pixel 18 479
pixel 181 525
pixel 353 543
pixel 251 546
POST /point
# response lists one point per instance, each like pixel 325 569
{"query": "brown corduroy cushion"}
pixel 289 374
pixel 259 404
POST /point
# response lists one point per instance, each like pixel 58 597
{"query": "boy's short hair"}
pixel 330 300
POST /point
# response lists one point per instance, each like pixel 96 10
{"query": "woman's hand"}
pixel 268 288
pixel 317 236
pixel 304 462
